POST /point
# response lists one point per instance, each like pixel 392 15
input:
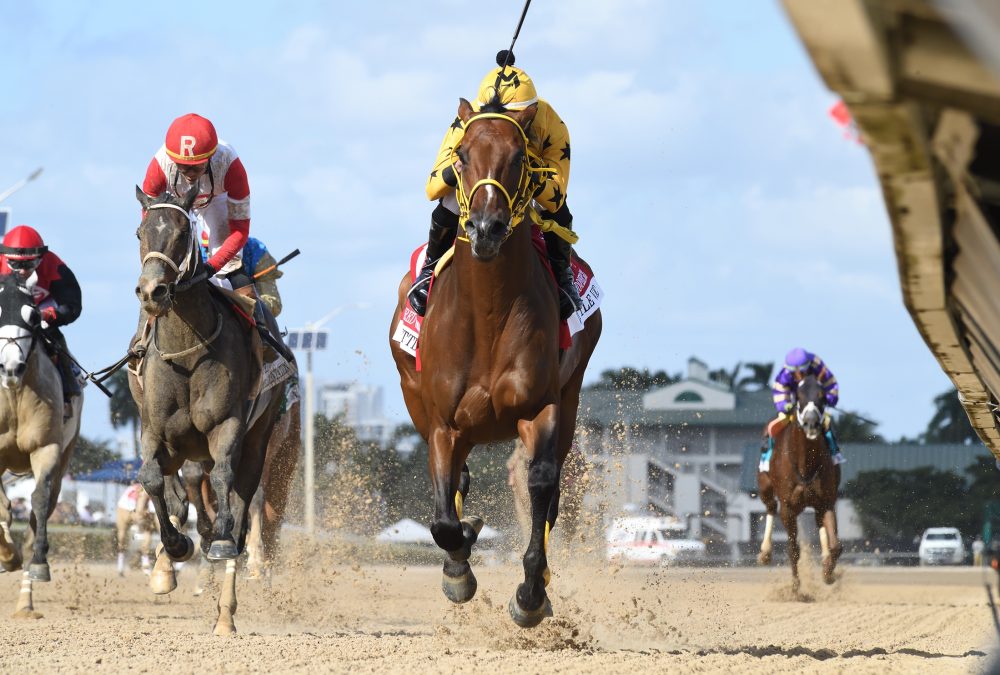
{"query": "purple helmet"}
pixel 797 359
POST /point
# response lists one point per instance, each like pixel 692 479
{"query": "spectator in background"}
pixel 977 551
pixel 19 509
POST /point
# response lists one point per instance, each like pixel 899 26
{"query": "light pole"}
pixel 309 339
pixel 20 184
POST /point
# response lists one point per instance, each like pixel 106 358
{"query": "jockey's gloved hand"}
pixel 831 400
pixel 49 314
pixel 210 270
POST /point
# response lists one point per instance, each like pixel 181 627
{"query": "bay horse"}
pixel 491 365
pixel 197 389
pixel 802 474
pixel 34 435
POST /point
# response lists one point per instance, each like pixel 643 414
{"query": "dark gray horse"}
pixel 197 391
pixel 34 437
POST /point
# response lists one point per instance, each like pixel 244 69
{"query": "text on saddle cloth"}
pixel 407 332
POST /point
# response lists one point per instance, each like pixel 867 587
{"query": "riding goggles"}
pixel 27 265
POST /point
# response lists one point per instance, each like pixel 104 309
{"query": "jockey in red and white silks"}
pixel 193 155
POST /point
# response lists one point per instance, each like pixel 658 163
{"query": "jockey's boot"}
pixel 267 326
pixel 67 374
pixel 444 227
pixel 831 440
pixel 560 251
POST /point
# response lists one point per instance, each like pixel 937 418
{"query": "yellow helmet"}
pixel 509 85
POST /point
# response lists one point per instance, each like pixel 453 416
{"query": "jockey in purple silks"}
pixel 798 364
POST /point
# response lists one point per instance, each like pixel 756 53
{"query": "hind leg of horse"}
pixel 771 504
pixel 279 471
pixel 247 479
pixel 123 518
pixel 530 603
pixel 827 524
pixel 451 531
pixel 792 528
pixel 226 452
pixel 193 475
pixel 10 557
pixel 255 543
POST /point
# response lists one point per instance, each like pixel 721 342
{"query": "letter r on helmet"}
pixel 187 146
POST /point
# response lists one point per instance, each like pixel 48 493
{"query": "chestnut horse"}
pixel 489 347
pixel 802 474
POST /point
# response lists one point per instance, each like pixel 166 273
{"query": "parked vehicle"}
pixel 652 541
pixel 941 546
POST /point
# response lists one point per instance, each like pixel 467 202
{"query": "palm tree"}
pixel 759 377
pixel 124 411
pixel 950 423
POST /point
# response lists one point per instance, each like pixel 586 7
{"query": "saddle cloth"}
pixel 407 332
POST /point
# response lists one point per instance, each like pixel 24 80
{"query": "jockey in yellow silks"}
pixel 548 138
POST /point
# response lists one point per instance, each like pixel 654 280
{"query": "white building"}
pixel 359 406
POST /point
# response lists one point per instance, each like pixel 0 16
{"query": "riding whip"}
pixel 276 265
pixel 63 352
pixel 856 416
pixel 510 51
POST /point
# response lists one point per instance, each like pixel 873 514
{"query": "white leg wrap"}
pixel 824 542
pixel 768 531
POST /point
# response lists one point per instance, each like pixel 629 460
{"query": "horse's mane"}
pixel 494 105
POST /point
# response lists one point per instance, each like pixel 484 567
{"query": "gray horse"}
pixel 34 437
pixel 197 391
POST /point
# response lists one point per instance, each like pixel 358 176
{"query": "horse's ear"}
pixel 189 198
pixel 143 198
pixel 525 117
pixel 465 110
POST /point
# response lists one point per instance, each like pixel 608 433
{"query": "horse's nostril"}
pixel 138 292
pixel 19 370
pixel 160 292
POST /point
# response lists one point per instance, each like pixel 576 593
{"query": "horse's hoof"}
pixel 162 582
pixel 224 629
pixel 13 564
pixel 39 572
pixel 222 549
pixel 526 619
pixel 764 558
pixel 26 614
pixel 459 589
pixel 185 553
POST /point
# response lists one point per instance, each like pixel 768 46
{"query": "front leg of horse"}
pixel 830 542
pixel 771 504
pixel 530 603
pixel 451 531
pixel 792 528
pixel 44 464
pixel 224 442
pixel 174 545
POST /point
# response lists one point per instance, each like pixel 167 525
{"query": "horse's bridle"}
pixel 527 182
pixel 16 341
pixel 186 269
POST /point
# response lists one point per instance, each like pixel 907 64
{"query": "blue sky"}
pixel 725 215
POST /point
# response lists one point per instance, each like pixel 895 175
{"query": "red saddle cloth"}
pixel 407 332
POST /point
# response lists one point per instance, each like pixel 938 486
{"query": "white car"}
pixel 942 546
pixel 651 541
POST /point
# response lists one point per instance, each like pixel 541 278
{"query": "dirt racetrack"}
pixel 394 618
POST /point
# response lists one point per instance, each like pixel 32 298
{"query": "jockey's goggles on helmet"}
pixel 24 265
